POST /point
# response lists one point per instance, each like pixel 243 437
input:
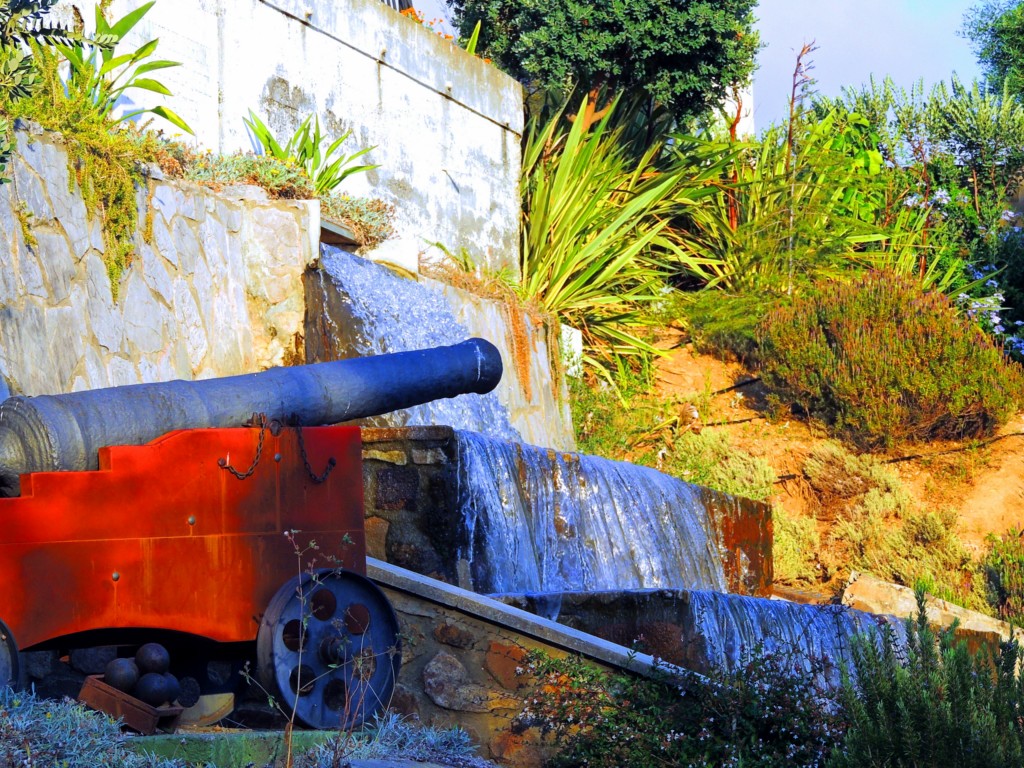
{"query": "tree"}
pixel 683 54
pixel 996 30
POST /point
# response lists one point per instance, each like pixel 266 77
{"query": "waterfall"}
pixel 395 314
pixel 728 631
pixel 542 521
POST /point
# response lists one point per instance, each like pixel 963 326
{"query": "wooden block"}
pixel 135 714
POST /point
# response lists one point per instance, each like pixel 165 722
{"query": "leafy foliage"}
pixel 932 703
pixel 24 23
pixel 881 362
pixel 25 27
pixel 595 218
pixel 104 77
pixel 1004 569
pixel 105 163
pixel 683 55
pixel 789 214
pixel 996 30
pixel 761 716
pixel 327 168
pixel 961 151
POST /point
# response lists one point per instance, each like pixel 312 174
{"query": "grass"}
pixel 394 738
pixel 631 424
pixel 795 548
pixel 877 527
pixel 37 732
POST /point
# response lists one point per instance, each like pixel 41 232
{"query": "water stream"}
pixel 728 631
pixel 542 521
pixel 395 314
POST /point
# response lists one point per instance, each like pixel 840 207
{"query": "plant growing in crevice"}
pixel 327 168
pixel 370 219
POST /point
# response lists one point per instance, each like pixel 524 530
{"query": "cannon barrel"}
pixel 65 432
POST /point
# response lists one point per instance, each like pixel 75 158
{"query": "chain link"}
pixel 223 463
pixel 331 462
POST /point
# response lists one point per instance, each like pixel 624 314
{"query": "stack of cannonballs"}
pixel 146 677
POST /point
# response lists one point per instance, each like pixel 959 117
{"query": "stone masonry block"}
pixel 397 488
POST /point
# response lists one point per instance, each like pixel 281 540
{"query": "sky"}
pixel 905 39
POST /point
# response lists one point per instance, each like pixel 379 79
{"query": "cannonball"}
pixel 153 657
pixel 190 692
pixel 152 689
pixel 173 687
pixel 122 674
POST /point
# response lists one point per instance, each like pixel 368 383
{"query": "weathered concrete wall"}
pixel 215 290
pixel 446 125
pixel 534 388
pixel 410 492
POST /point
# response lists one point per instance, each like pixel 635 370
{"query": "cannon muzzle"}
pixel 65 432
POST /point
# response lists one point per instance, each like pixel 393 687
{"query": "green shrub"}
pixel 1004 571
pixel 795 547
pixel 278 177
pixel 709 459
pixel 40 732
pixel 881 362
pixel 761 716
pixel 932 703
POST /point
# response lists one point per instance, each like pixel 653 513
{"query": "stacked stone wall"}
pixel 215 287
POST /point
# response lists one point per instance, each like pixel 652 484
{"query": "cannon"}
pixel 226 510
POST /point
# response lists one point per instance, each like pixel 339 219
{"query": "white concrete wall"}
pixel 446 125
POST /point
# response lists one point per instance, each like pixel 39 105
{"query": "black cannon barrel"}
pixel 64 432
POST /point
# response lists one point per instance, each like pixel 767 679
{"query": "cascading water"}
pixel 394 314
pixel 542 521
pixel 727 631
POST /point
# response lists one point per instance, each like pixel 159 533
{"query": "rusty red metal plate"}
pixel 163 537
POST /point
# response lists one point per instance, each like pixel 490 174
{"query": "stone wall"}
pixel 410 489
pixel 446 126
pixel 218 287
pixel 463 662
pixel 214 290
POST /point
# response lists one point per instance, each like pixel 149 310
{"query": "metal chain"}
pixel 331 463
pixel 223 463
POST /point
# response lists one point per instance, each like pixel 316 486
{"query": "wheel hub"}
pixel 328 649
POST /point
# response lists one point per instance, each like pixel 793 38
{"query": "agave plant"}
pixel 326 167
pixel 96 71
pixel 595 242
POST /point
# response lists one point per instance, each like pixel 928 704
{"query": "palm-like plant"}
pixel 595 244
pixel 785 216
pixel 96 71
